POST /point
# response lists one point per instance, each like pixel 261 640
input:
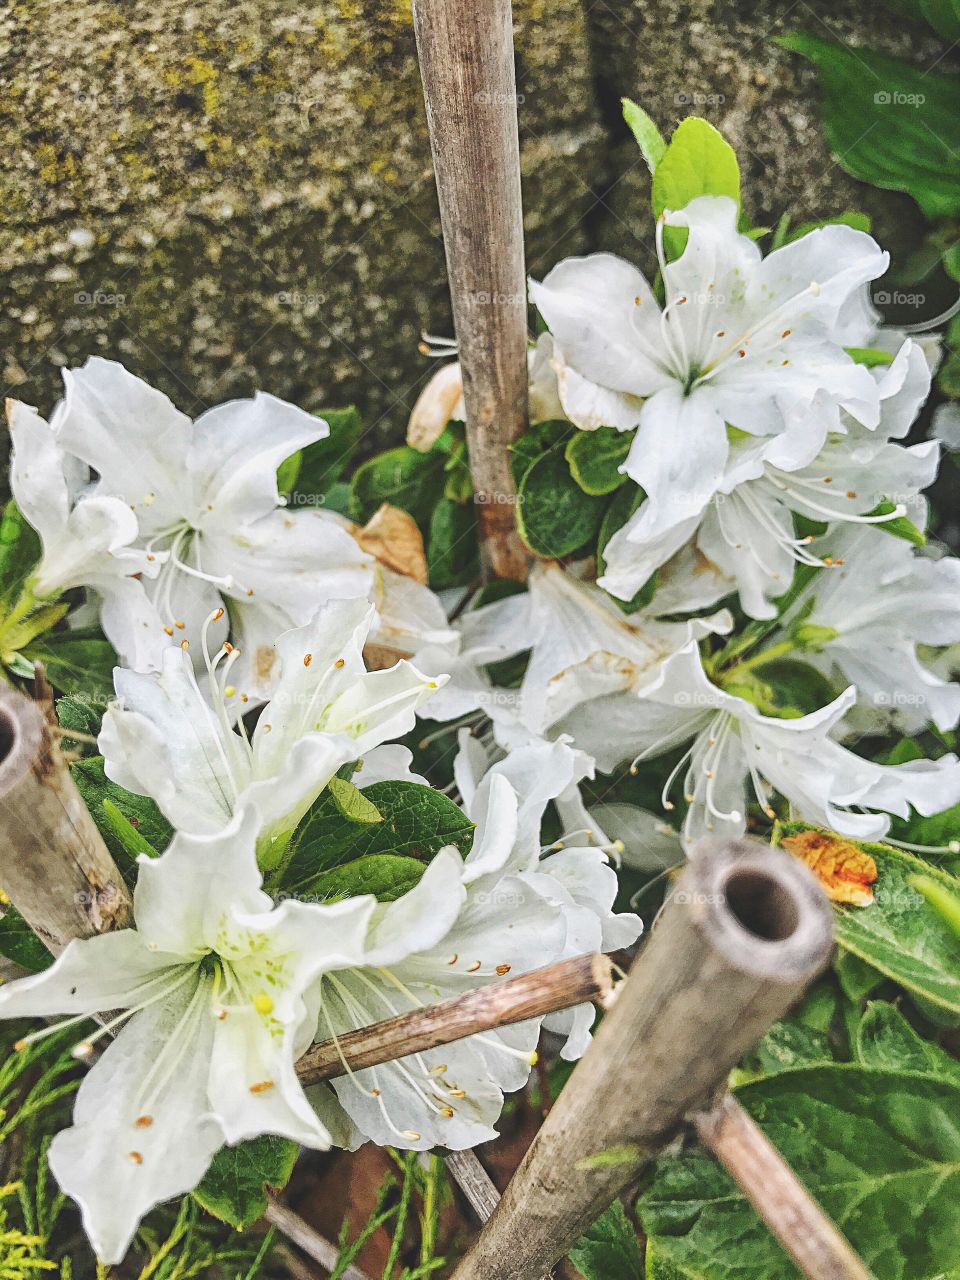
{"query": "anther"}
pixel 215 616
pixel 472 968
pixel 307 659
pixel 184 644
pixel 136 1157
pixel 340 662
pixel 503 969
pixel 786 333
pixel 411 1136
pixel 168 630
pixel 143 1122
pixel 263 1086
pixel 454 958
pixel 180 625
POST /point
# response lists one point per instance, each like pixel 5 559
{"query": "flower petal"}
pixel 236 450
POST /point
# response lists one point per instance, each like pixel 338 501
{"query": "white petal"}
pixel 389 763
pixel 117 1169
pixel 93 975
pixel 38 472
pixel 837 259
pixel 132 436
pixel 236 450
pixel 422 917
pixel 677 458
pixel 164 741
pixel 292 560
pixel 591 307
pixel 182 898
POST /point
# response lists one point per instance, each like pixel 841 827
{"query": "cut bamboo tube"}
pixel 531 995
pixel 782 1201
pixel 469 85
pixel 741 937
pixel 54 865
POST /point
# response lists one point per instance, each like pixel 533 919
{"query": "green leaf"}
pixel 609 1250
pixel 323 463
pixel 128 835
pixel 869 357
pixel 889 123
pixel 139 812
pixel 288 471
pixel 19 552
pixel 554 515
pixel 945 902
pixel 649 138
pixel 403 477
pixel 594 458
pixel 537 441
pixel 385 875
pixel 899 526
pixel 898 934
pixel 886 1039
pixel 942 15
pixel 20 944
pixel 74 713
pixel 879 1150
pixel 698 162
pixel 452 557
pixel 787 1045
pixel 797 685
pixel 417 822
pixel 352 803
pixel 79 663
pixel 234 1188
pixel 852 218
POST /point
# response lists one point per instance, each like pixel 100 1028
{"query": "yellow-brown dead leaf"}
pixel 439 401
pixel 844 870
pixel 392 536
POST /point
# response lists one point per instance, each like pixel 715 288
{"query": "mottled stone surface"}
pixel 230 196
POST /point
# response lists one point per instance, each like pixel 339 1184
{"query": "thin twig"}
pixel 782 1201
pixel 532 995
pixel 475 1183
pixel 316 1246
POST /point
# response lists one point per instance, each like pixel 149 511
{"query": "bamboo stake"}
pixel 54 865
pixel 793 1216
pixel 738 942
pixel 475 1183
pixel 531 995
pixel 313 1244
pixel 466 62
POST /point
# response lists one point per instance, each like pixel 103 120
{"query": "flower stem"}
pixel 758 660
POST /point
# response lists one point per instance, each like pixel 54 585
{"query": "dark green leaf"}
pixel 787 1045
pixel 417 822
pixel 879 1150
pixel 322 463
pixel 886 1039
pixel 79 663
pixel 537 441
pixel 889 123
pixel 139 811
pixel 352 803
pixel 19 552
pixel 649 138
pixel 554 516
pixel 74 713
pixel 385 875
pixel 403 477
pixel 595 457
pixel 609 1250
pixel 234 1188
pixel 797 685
pixel 452 558
pixel 20 944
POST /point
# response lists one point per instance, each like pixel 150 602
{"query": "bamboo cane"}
pixel 738 942
pixel 466 61
pixel 54 865
pixel 531 995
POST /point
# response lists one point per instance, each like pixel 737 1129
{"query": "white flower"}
pixel 86 543
pixel 733 746
pixel 747 529
pixel 503 910
pixel 743 341
pixel 868 614
pixel 581 646
pixel 207 512
pixel 211 986
pixel 165 739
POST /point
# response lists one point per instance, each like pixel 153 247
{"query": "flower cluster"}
pixel 751 594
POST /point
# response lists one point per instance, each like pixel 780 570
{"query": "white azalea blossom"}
pixel 214 988
pixel 167 739
pixel 734 749
pixel 742 341
pixel 747 528
pixel 581 646
pixel 504 909
pixel 868 614
pixel 202 510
